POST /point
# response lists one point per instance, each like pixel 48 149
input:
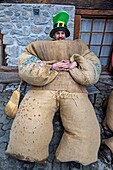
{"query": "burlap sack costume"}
pixel 108 121
pixel 32 128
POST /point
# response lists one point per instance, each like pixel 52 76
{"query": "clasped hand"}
pixel 64 65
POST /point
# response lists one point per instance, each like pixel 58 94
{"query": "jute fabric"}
pixel 108 121
pixel 32 128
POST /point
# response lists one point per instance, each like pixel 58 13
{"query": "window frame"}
pixel 93 14
pixel 2 46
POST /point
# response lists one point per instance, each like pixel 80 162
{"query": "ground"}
pixel 8 163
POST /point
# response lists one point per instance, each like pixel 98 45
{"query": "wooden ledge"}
pixel 9 74
pixel 94 13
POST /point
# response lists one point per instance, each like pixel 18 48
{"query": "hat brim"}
pixel 54 30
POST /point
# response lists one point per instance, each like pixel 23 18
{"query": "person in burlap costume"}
pixel 106 148
pixel 58 72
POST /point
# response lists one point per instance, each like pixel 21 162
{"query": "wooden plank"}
pixel 94 13
pixel 8 68
pixel 9 74
pixel 0 36
pixel 77 25
pixel 89 4
pixel 9 77
pixel 92 89
pixel 3 54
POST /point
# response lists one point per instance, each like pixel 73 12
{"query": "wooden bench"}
pixel 92 91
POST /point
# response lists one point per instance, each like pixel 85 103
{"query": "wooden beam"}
pixel 9 74
pixel 9 77
pixel 8 69
pixel 77 25
pixel 94 13
pixel 88 4
pixel 0 36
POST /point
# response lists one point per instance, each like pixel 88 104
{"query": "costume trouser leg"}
pixel 32 128
pixel 81 139
pixel 108 121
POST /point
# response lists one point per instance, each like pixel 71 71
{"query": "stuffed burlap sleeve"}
pixel 88 70
pixel 35 71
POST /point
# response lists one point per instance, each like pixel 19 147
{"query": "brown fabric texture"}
pixel 109 112
pixel 32 128
pixel 65 82
pixel 50 51
pixel 108 121
pixel 88 71
pixel 81 139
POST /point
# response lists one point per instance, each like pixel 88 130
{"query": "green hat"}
pixel 60 23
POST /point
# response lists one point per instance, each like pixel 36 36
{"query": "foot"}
pixel 106 153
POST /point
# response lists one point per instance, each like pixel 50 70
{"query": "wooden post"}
pixel 77 26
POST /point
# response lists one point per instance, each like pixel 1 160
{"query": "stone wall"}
pixel 20 24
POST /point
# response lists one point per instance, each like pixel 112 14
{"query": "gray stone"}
pixel 8 40
pixel 65 166
pixel 47 29
pixel 9 13
pixel 26 31
pixel 26 13
pixel 4 20
pixel 16 32
pixel 23 23
pixel 7 126
pixel 37 29
pixel 12 51
pixel 1 132
pixel 4 31
pixel 2 86
pixel 2 150
pixel 103 166
pixel 40 20
pixel 8 26
pixel 25 41
pixel 17 13
pixel 46 13
pixel 39 167
pixel 56 166
pixel 19 25
pixel 43 37
pixel 5 137
pixel 2 14
pixel 12 61
pixel 3 119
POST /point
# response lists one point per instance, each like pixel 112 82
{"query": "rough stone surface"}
pixel 22 24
